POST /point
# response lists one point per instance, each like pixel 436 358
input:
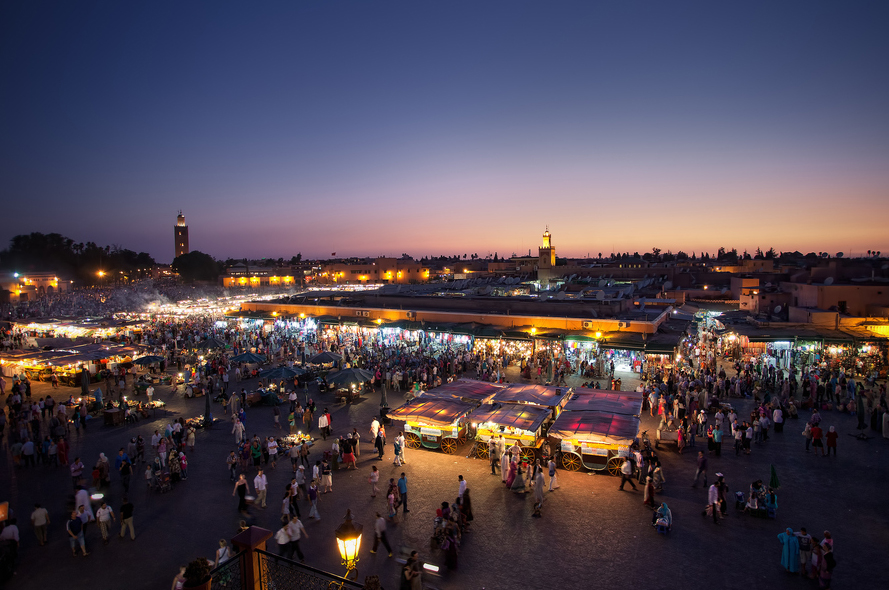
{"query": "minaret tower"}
pixel 180 232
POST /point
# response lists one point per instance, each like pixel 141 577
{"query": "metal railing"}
pixel 280 573
pixel 229 575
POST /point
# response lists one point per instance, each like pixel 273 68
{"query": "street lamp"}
pixel 348 540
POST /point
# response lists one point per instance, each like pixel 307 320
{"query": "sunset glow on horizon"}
pixel 433 129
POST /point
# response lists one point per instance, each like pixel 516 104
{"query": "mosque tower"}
pixel 546 261
pixel 181 234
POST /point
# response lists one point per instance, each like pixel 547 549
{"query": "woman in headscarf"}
pixel 512 471
pixel 789 551
pixel 648 493
pixel 662 516
pixel 518 482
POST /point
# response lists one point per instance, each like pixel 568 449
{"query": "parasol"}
pixel 147 360
pixel 773 478
pixel 324 358
pixel 281 373
pixel 346 377
pixel 248 357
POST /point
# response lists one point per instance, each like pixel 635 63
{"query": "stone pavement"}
pixel 591 534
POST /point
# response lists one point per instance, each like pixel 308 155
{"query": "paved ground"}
pixel 591 535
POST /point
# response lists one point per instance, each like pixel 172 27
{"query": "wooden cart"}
pixel 520 424
pixel 596 429
pixel 434 423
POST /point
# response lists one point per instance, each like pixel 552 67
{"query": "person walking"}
pixel 538 493
pixel 380 444
pixel 626 475
pixel 40 520
pixel 75 534
pixel 462 486
pixel 241 489
pixel 701 470
pixel 713 501
pixel 805 550
pixel 831 437
pixel 492 455
pixel 373 480
pixel 553 476
pixel 817 439
pixel 104 515
pixel 402 491
pixel 313 499
pixel 260 484
pixel 296 531
pixel 717 440
pixel 126 518
pixel 380 535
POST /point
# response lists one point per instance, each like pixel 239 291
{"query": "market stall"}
pixel 434 422
pixel 592 439
pixel 519 424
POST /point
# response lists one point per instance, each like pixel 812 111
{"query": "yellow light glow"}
pixel 598 334
pixel 533 330
pixel 379 321
pixel 349 548
pixel 101 273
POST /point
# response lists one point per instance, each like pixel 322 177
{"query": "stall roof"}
pixel 599 400
pixel 467 390
pixel 600 427
pixel 432 410
pixel 541 395
pixel 523 417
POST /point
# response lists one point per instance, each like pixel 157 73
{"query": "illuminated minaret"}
pixel 546 260
pixel 181 234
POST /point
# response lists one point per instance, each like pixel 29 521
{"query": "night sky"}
pixel 447 127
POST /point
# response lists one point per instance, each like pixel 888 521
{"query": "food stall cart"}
pixel 520 424
pixel 434 423
pixel 596 429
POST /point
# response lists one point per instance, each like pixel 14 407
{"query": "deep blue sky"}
pixel 430 127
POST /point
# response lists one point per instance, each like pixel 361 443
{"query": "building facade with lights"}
pixel 16 287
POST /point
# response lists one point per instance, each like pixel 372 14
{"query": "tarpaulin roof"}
pixel 432 410
pixel 599 400
pixel 600 427
pixel 541 395
pixel 466 390
pixel 523 417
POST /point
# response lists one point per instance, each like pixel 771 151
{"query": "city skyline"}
pixel 368 129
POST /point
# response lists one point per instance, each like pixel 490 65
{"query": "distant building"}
pixel 378 270
pixel 15 288
pixel 180 232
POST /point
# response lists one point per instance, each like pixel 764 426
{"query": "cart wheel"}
pixel 614 465
pixel 448 446
pixel 481 450
pixel 570 462
pixel 412 440
pixel 528 455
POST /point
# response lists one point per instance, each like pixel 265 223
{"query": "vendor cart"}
pixel 596 429
pixel 434 423
pixel 520 424
pixel 666 435
pixel 597 441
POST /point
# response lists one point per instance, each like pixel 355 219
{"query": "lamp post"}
pixel 348 540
